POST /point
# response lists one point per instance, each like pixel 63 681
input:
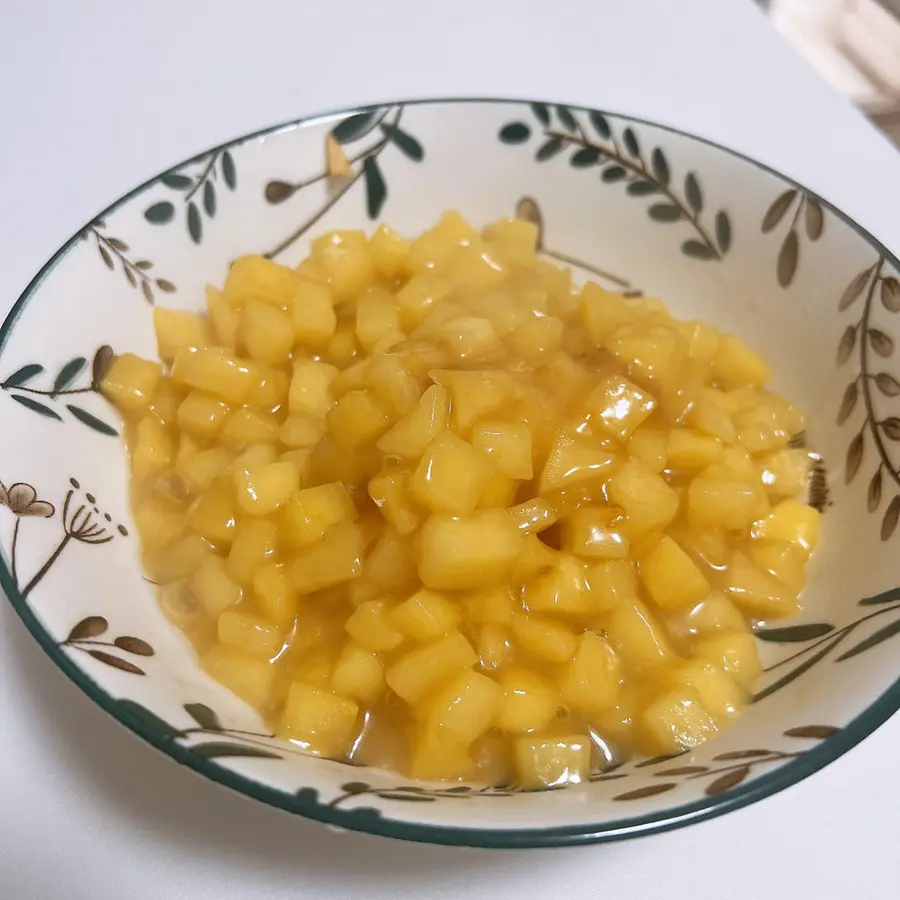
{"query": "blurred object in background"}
pixel 853 44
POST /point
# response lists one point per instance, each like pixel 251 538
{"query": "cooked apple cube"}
pixel 377 314
pixel 249 426
pixel 612 583
pixel 274 594
pixel 720 695
pixel 618 406
pixel 319 719
pixel 261 490
pixel 690 450
pixel 312 311
pixel 637 636
pixel 729 505
pixel 309 513
pixel 153 449
pixel 464 708
pixel 418 295
pixel 251 678
pixel 534 516
pixel 589 683
pixel 309 391
pixel 649 444
pixel 574 460
pixel 224 318
pixel 255 277
pixel 130 383
pixel 792 522
pixel 177 328
pixel 216 371
pixel 391 562
pixel 491 606
pixel 494 648
pixel 474 394
pixel 736 365
pixel 671 578
pixel 529 702
pixel 371 627
pixel 460 554
pixel 648 501
pixel 544 638
pixel 251 634
pixel 391 493
pixel 563 589
pixel 413 433
pixel 735 654
pixel 435 756
pixel 201 415
pixel 389 251
pixel 333 560
pixel 543 762
pixel 507 445
pixel 212 588
pixel 425 616
pixel 254 544
pixel 420 671
pixel 596 532
pixel 358 674
pixel 350 269
pixel 451 476
pixel 357 420
pixel 758 593
pixel 214 513
pixel 676 722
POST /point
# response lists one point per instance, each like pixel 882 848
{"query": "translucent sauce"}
pixel 427 506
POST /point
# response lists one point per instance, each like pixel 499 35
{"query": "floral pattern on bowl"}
pixel 636 206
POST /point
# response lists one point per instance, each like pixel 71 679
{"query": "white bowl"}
pixel 627 202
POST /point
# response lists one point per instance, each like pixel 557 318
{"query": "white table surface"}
pixel 95 96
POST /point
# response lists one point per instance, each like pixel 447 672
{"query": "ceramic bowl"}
pixel 634 205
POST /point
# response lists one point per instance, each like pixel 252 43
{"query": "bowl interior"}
pixel 630 204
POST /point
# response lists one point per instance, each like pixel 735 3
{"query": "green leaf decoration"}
pixel 203 716
pixel 586 156
pixel 209 198
pixel 376 189
pixel 160 213
pixel 664 212
pixel 692 192
pixel 549 148
pixel 194 223
pixel 174 180
pixel 566 118
pixel 68 373
pixel 229 172
pixel 723 231
pixel 36 406
pixel 793 634
pixel 404 141
pixel 795 673
pixel 128 709
pixel 642 188
pixel 515 133
pixel 660 167
pixel 698 250
pixel 600 124
pixel 91 421
pixel 20 376
pixel 888 631
pixel 541 113
pixel 354 127
pixel 631 142
pixel 889 596
pixel 612 174
pixel 220 750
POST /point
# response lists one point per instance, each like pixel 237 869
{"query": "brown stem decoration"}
pixel 639 170
pixel 204 176
pixel 126 262
pixel 45 568
pixel 12 550
pixel 28 390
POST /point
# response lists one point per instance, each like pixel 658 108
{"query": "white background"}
pixel 94 97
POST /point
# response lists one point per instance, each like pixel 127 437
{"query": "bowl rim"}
pixel 367 820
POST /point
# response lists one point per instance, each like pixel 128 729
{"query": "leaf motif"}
pixel 143 264
pixel 775 213
pixel 104 255
pixel 881 343
pixel 102 358
pixel 655 760
pixel 566 118
pixel 692 192
pixel 664 212
pixel 873 495
pixel 630 140
pixel 549 149
pixel 723 231
pixel 279 191
pixel 133 645
pixel 220 750
pixel 515 133
pixel 209 198
pixel 814 218
pixel 600 124
pixel 848 404
pixel 873 640
pixel 698 250
pixel 404 141
pixel 229 171
pixel 731 755
pixel 890 294
pixel 194 223
pixel 165 285
pixel 177 181
pixel 91 421
pixel 398 795
pixel 89 627
pixel 355 787
pixel 642 188
pixel 132 278
pixel 660 166
pixel 376 189
pixel 116 244
pixel 612 174
pixel 354 127
pixel 115 662
pixel 889 522
pixel 586 156
pixel 848 342
pixel 147 291
pixel 160 213
pixel 541 113
pixel 891 427
pixel 205 717
pixel 128 709
pixel 727 781
pixel 794 634
pixel 681 770
pixel 20 376
pixel 36 406
pixel 650 790
pixel 795 673
pixel 819 732
pixel 788 257
pixel 854 458
pixel 854 290
pixel 68 373
pixel 890 596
